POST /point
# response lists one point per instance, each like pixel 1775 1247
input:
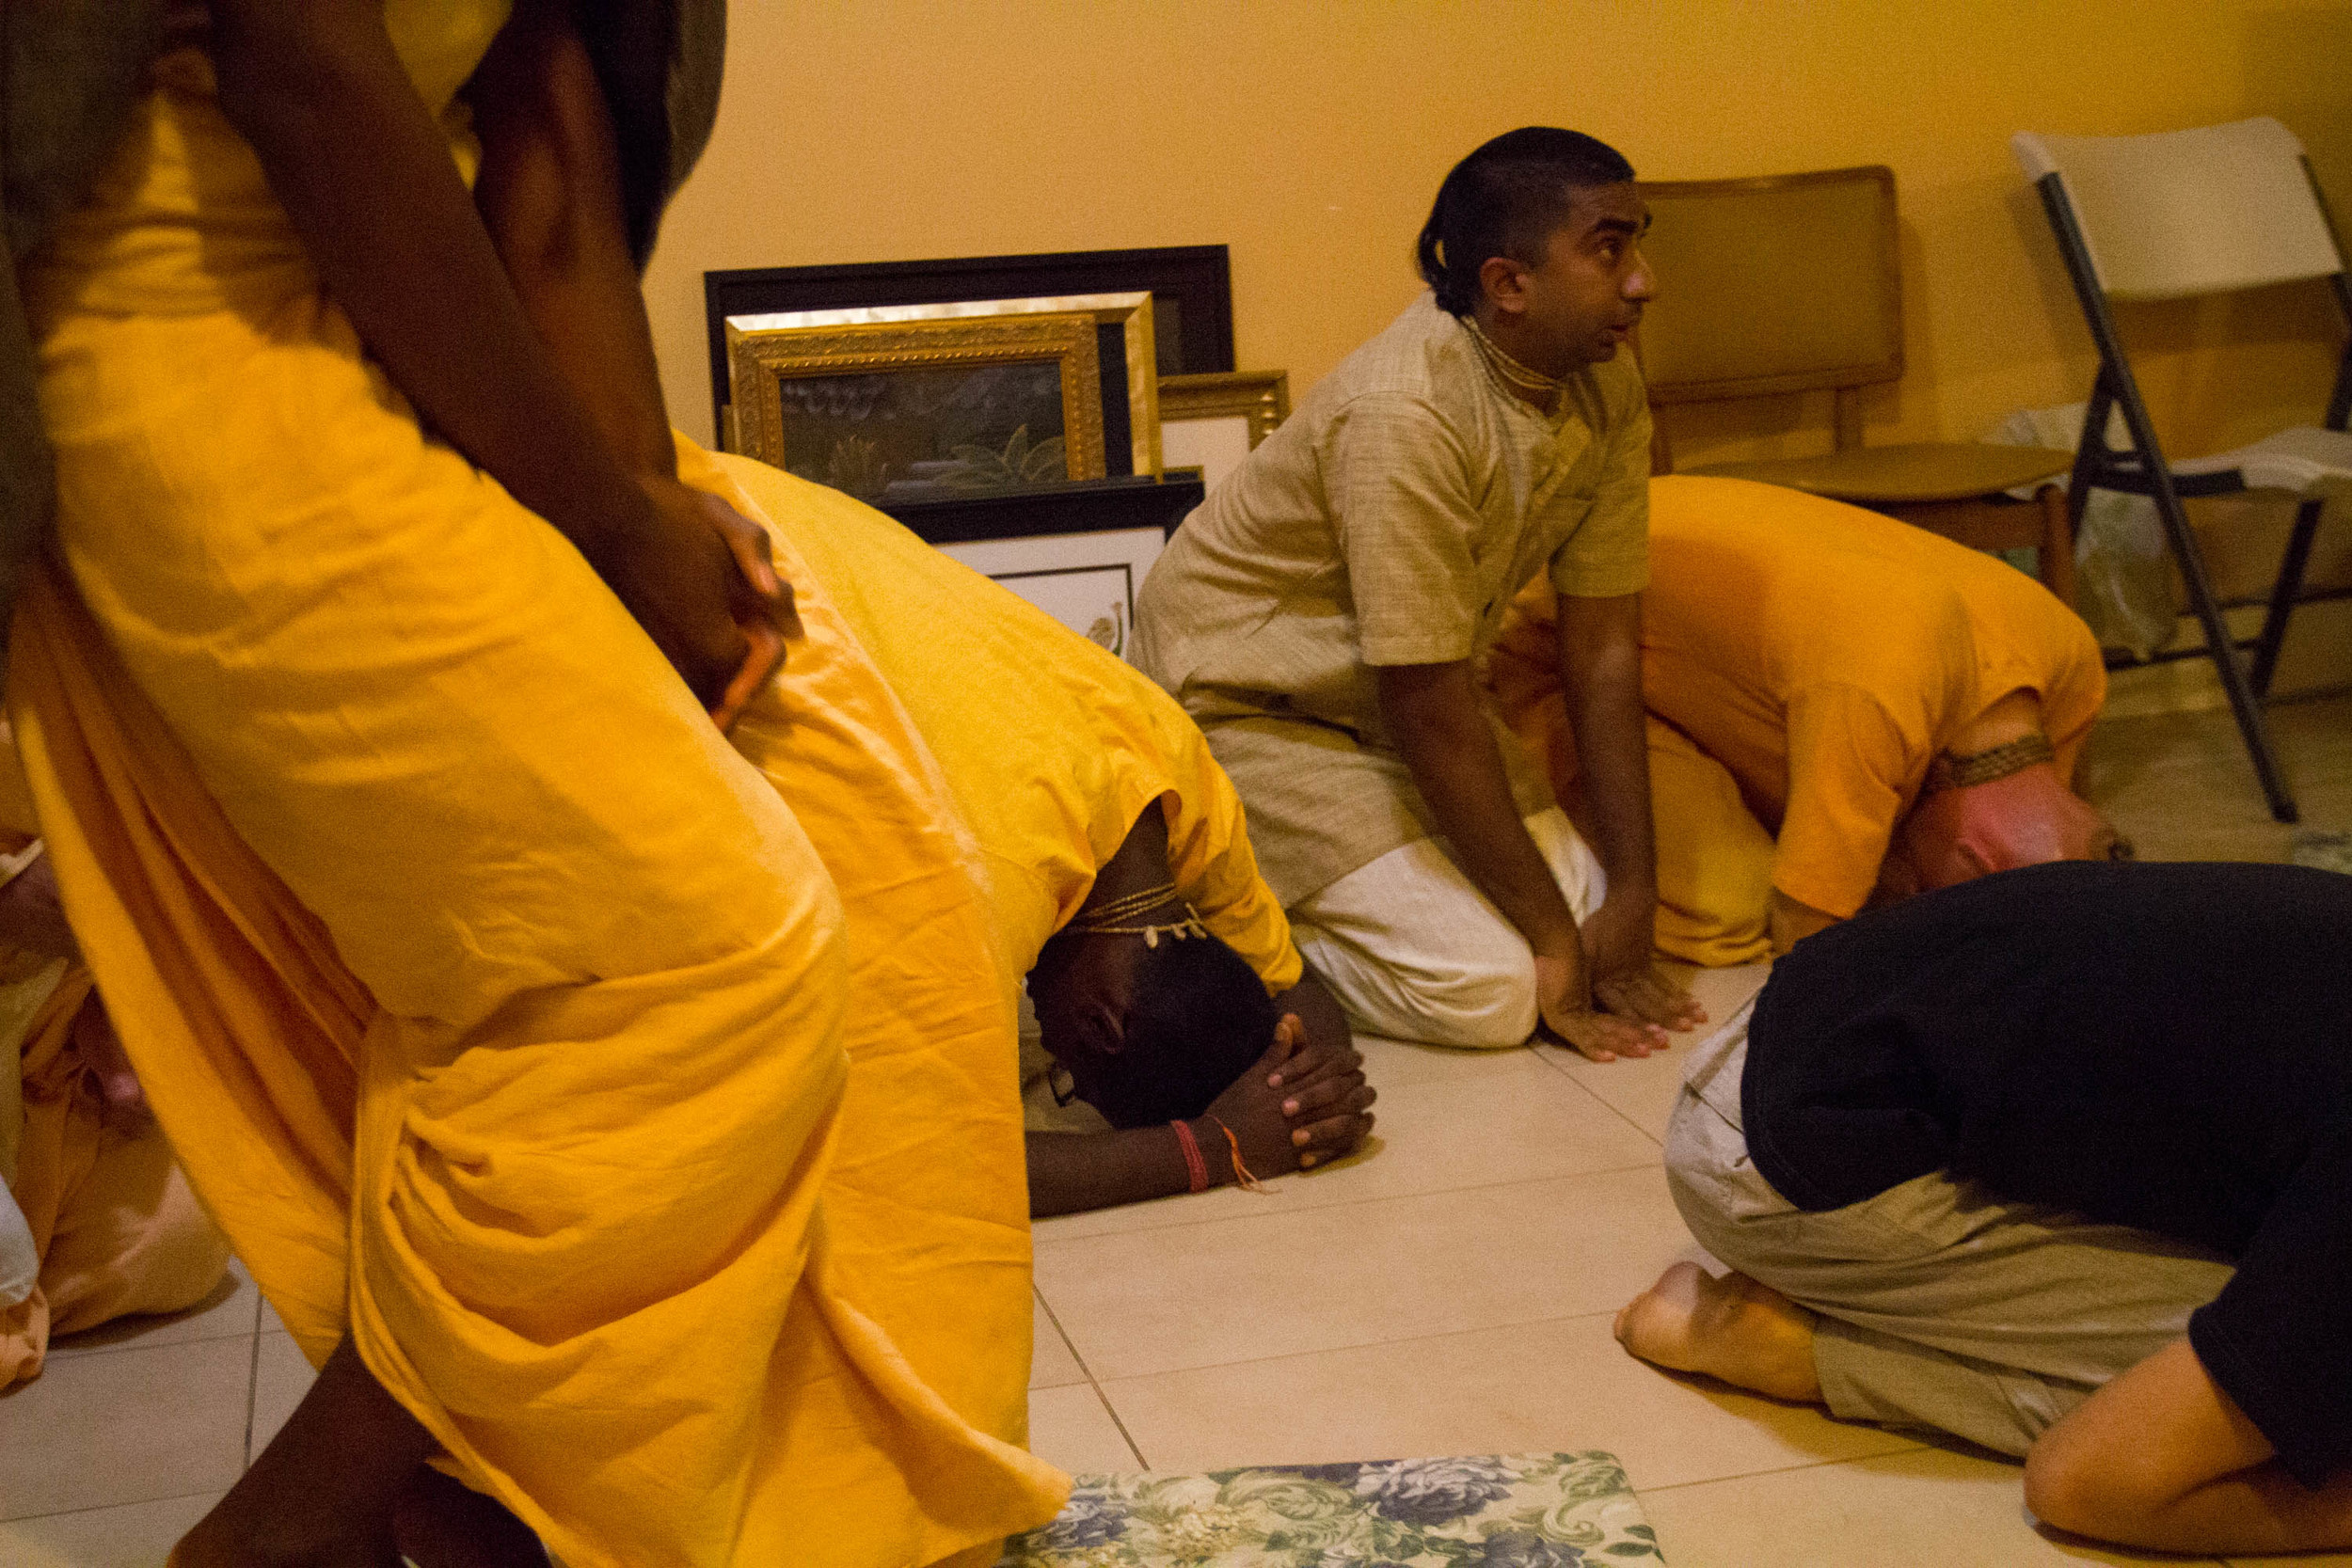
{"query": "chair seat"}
pixel 1918 474
pixel 2306 460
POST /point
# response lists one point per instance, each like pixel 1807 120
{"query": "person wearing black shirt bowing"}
pixel 2059 1161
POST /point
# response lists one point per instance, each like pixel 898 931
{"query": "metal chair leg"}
pixel 2282 595
pixel 2224 651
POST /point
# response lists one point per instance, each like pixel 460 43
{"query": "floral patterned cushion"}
pixel 1506 1511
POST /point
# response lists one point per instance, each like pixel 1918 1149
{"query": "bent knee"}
pixel 2063 1491
pixel 1474 1007
pixel 2097 1486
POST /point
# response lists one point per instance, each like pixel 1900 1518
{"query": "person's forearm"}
pixel 368 180
pixel 1440 728
pixel 1072 1172
pixel 549 192
pixel 1600 672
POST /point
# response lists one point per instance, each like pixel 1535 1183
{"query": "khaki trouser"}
pixel 1941 1305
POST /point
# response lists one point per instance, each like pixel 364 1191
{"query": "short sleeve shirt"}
pixel 1390 521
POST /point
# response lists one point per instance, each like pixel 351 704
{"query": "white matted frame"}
pixel 1087 581
pixel 1130 312
pixel 1212 422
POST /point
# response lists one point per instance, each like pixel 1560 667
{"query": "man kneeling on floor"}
pixel 1171 1068
pixel 1323 614
pixel 2056 1161
pixel 1118 875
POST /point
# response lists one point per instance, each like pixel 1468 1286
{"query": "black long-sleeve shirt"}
pixel 2165 1046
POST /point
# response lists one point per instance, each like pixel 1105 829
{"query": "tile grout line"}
pixel 78 1353
pixel 102 1508
pixel 1793 1470
pixel 252 1390
pixel 1092 1382
pixel 1347 1203
pixel 1562 1069
pixel 1370 1344
pixel 1117 1421
pixel 1054 1318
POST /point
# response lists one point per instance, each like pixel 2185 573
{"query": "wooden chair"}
pixel 1789 283
pixel 2178 216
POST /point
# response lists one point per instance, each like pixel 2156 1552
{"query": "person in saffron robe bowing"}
pixel 1120 877
pixel 1840 707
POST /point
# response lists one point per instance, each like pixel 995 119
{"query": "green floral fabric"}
pixel 1506 1511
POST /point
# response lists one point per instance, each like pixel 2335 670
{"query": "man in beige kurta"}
pixel 1321 614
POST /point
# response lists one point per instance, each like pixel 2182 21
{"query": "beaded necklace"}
pixel 1514 376
pixel 1114 918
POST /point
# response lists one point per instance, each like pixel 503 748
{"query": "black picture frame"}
pixel 1084 506
pixel 1191 286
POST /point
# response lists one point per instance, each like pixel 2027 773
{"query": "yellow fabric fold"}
pixel 1051 744
pixel 501 1014
pixel 658 1146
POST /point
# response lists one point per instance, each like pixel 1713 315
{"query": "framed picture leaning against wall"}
pixel 1130 389
pixel 892 411
pixel 1191 290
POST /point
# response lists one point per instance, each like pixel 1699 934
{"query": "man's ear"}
pixel 1504 281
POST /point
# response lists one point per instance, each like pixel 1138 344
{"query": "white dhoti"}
pixel 1414 951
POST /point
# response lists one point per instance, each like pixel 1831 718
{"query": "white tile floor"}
pixel 1450 1292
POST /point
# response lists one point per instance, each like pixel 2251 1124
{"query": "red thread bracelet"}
pixel 1193 1162
pixel 1241 1172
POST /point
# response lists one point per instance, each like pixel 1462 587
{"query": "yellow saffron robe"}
pixel 651 1130
pixel 1053 745
pixel 1803 663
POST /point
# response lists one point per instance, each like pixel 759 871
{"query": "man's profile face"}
pixel 1582 303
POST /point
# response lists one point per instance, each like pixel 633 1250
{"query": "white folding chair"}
pixel 2171 216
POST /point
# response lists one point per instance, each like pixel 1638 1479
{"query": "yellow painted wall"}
pixel 1308 135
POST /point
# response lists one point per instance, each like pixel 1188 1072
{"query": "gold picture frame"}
pixel 1129 314
pixel 1213 421
pixel 918 384
pixel 1262 397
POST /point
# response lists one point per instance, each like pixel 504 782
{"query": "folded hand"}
pixel 699 578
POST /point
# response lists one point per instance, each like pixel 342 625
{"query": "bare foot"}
pixel 1746 1333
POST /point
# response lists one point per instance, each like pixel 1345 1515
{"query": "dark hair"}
pixel 1505 199
pixel 1199 1020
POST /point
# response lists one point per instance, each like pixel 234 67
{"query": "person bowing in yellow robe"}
pixel 609 1151
pixel 1839 704
pixel 1087 789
